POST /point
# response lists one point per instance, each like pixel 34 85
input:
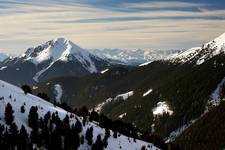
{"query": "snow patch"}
pixel 124 96
pixel 98 108
pixel 104 71
pixel 145 64
pixel 34 87
pixel 4 67
pixel 122 115
pixel 147 92
pixel 58 92
pixel 161 108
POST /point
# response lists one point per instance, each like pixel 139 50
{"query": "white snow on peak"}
pixel 217 43
pixel 185 55
pixel 161 108
pixel 125 96
pixel 16 97
pixel 58 92
pixel 64 50
pixel 147 92
pixel 59 49
pixel 215 47
pixel 207 51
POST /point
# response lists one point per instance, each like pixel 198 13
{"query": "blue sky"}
pixel 126 24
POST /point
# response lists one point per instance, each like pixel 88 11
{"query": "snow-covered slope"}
pixel 212 48
pixel 185 56
pixel 201 54
pixel 16 97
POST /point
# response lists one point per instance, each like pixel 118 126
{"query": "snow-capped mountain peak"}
pixel 212 48
pixel 185 55
pixel 217 43
pixel 60 49
pixel 201 54
pixel 55 58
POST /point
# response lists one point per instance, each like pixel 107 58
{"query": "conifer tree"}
pixel 115 134
pixel 34 136
pixel 77 141
pixel 6 139
pixel 78 126
pixel 107 135
pixel 89 135
pixel 1 132
pixel 23 135
pixel 33 118
pixel 84 111
pixel 47 117
pixel 94 116
pixel 9 114
pixel 143 148
pixel 26 89
pixel 98 144
pixel 22 109
pixel 66 120
pixel 13 129
pixel 82 139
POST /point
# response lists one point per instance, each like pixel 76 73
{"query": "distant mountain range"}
pixel 133 57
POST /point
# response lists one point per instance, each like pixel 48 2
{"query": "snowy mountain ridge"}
pixel 201 54
pixel 60 49
pixel 16 97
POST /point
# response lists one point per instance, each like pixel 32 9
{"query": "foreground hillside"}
pixel 17 98
pixel 207 133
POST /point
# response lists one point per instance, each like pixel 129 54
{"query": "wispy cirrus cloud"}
pixel 110 23
pixel 167 5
